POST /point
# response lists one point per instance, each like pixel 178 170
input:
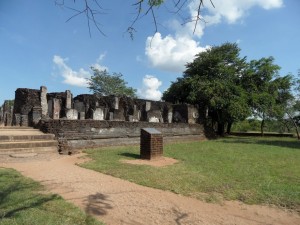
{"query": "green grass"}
pixel 21 202
pixel 252 170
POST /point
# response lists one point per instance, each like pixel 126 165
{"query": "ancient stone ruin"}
pixel 90 120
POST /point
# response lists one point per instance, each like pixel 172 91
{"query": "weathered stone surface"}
pixel 93 133
pixel 56 107
pixel 72 114
pixel 50 108
pixel 98 114
pixel 36 115
pixel 82 115
pixel 25 99
pixel 79 106
pixel 24 121
pixel 68 99
pixel 44 103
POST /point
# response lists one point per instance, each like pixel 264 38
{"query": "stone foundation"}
pixel 79 134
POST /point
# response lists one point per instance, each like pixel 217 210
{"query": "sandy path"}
pixel 115 201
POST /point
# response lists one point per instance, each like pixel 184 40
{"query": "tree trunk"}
pixel 295 125
pixel 229 125
pixel 221 129
pixel 262 125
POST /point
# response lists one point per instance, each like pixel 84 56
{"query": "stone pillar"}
pixel 111 116
pixel 56 109
pixel 170 117
pixel 116 103
pixel 136 114
pixel 151 144
pixel 68 99
pixel 148 106
pixel 44 103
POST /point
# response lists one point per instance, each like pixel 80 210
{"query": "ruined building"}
pixel 90 120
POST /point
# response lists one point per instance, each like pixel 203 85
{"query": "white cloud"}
pixel 234 10
pixel 150 88
pixel 72 77
pixel 172 52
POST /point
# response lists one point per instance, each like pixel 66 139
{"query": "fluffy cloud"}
pixel 234 10
pixel 150 88
pixel 72 77
pixel 172 52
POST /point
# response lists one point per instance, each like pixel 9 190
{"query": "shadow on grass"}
pixel 97 204
pixel 130 155
pixel 263 141
pixel 19 196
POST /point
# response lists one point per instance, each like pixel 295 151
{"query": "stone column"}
pixel 44 103
pixel 68 99
pixel 56 109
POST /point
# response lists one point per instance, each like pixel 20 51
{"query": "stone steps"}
pixel 26 140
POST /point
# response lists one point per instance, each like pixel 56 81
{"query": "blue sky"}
pixel 38 47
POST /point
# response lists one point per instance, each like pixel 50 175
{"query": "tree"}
pixel 213 80
pixel 293 106
pixel 268 92
pixel 103 83
pixel 92 9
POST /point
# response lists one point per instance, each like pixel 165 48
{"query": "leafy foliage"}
pixel 213 80
pixel 268 92
pixel 103 83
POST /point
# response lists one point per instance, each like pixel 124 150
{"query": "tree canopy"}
pixel 103 83
pixel 268 92
pixel 213 80
pixel 230 89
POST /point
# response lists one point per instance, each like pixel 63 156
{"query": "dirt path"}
pixel 115 201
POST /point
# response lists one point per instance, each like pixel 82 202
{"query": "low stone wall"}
pixel 256 134
pixel 78 134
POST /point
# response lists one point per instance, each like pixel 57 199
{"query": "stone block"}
pixel 82 115
pixel 98 114
pixel 72 114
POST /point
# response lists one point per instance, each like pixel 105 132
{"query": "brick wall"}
pixel 151 144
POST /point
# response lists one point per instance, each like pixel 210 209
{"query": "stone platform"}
pixel 22 140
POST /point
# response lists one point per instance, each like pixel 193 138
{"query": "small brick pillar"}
pixel 151 145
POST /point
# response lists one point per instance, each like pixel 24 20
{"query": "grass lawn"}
pixel 253 170
pixel 21 202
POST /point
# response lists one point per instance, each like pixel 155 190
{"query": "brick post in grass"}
pixel 151 144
